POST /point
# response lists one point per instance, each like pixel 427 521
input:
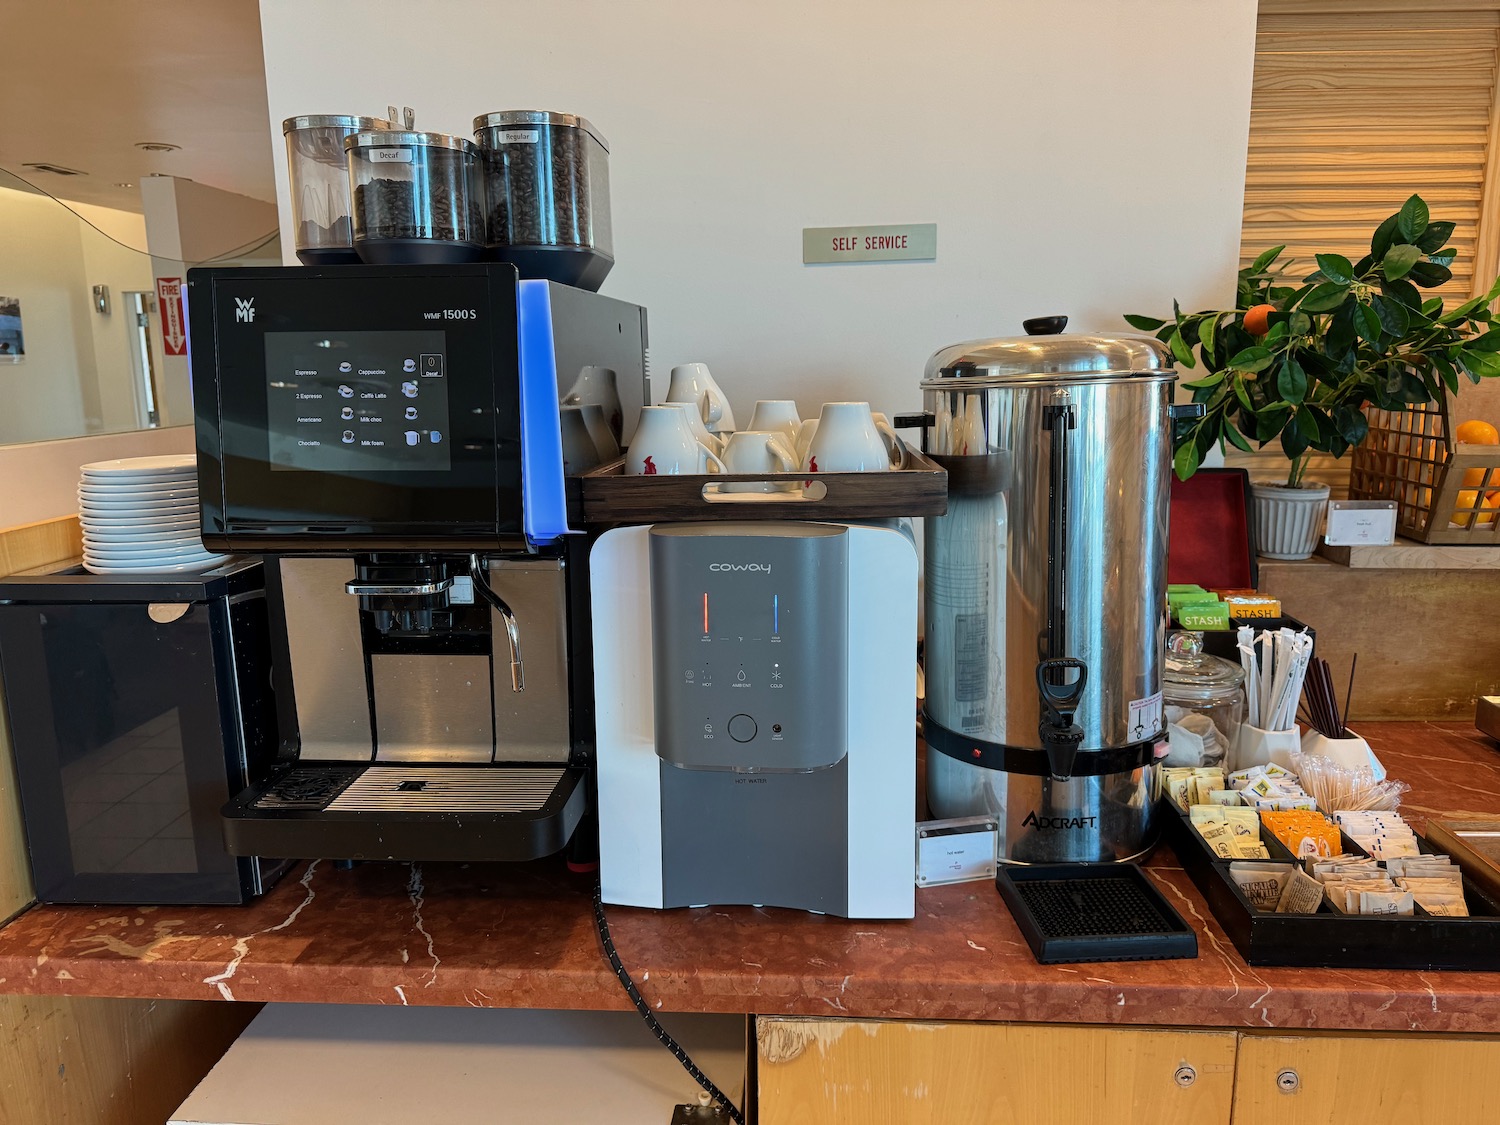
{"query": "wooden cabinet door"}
pixel 1371 1079
pixel 831 1071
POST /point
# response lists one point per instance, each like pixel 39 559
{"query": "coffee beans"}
pixel 546 185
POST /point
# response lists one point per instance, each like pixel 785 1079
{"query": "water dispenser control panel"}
pixel 750 641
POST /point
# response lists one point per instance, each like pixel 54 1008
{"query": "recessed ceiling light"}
pixel 54 169
pixel 157 146
pixel 123 184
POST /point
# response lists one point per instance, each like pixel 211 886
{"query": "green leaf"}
pixel 1307 422
pixel 1338 340
pixel 1399 260
pixel 1180 349
pixel 1336 267
pixel 1432 306
pixel 1385 235
pixel 1185 461
pixel 1265 258
pixel 1367 324
pixel 1293 440
pixel 1326 297
pixel 1144 323
pixel 1300 324
pixel 1434 236
pixel 1205 383
pixel 1411 220
pixel 1242 393
pixel 1252 360
pixel 1428 276
pixel 1443 257
pixel 1489 342
pixel 1351 424
pixel 1450 378
pixel 1291 381
pixel 1405 292
pixel 1392 315
pixel 1237 439
pixel 1485 365
pixel 1206 332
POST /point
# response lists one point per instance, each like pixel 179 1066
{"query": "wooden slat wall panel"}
pixel 1356 104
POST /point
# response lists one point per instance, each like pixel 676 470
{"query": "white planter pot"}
pixel 1287 520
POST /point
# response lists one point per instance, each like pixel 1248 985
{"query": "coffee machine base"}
pixel 427 813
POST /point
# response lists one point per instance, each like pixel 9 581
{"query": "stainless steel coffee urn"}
pixel 1045 588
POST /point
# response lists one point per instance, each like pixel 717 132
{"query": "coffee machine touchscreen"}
pixel 357 402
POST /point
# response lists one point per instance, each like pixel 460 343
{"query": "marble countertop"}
pixel 523 936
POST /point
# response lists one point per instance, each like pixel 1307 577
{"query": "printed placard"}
pixel 908 242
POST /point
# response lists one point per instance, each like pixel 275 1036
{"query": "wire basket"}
pixel 1444 492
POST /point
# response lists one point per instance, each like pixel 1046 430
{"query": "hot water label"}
pixel 1145 717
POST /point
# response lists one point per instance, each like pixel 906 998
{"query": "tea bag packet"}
pixel 1443 906
pixel 1262 883
pixel 1302 894
pixel 1387 902
pixel 1441 896
pixel 1225 797
pixel 1385 835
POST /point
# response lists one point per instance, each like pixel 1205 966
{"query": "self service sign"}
pixel 907 242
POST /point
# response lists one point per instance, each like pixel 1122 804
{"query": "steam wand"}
pixel 512 630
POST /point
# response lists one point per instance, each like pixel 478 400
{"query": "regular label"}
pixel 519 136
pixel 389 155
pixel 970 657
pixel 1145 717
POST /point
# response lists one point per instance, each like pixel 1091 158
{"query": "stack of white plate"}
pixel 140 514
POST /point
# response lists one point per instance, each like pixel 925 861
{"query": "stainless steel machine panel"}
pixel 327 659
pixel 432 708
pixel 750 638
pixel 532 725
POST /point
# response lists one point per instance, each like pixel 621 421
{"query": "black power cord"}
pixel 602 925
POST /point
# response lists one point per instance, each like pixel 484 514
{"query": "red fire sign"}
pixel 173 331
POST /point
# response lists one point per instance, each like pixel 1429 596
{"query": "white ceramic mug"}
pixel 600 431
pixel 778 414
pixel 664 444
pixel 580 454
pixel 759 451
pixel 714 442
pixel 805 433
pixel 849 440
pixel 691 382
pixel 596 386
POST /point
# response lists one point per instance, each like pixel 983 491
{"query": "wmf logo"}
pixel 244 310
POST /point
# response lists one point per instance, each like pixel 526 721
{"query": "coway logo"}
pixel 763 568
pixel 1047 823
pixel 244 310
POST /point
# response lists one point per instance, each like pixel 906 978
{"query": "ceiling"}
pixel 84 82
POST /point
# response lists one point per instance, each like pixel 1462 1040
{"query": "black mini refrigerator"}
pixel 138 705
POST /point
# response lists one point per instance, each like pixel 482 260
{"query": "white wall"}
pixel 40 479
pixel 124 268
pixel 1079 156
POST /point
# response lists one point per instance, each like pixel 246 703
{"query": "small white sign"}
pixel 389 155
pixel 519 136
pixel 1361 523
pixel 909 242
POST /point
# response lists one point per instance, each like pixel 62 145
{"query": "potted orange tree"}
pixel 1296 362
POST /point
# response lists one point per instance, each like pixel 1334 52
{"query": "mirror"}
pixel 86 346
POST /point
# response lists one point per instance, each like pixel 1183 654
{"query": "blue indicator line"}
pixel 776 613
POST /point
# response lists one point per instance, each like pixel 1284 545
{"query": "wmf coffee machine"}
pixel 389 437
pixel 754 687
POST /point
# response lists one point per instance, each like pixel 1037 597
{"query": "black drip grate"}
pixel 1093 912
pixel 1090 908
pixel 306 788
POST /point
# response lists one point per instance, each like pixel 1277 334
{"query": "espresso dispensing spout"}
pixel 512 630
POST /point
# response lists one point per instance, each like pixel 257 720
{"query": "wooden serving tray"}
pixel 607 495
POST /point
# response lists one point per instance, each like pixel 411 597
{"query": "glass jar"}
pixel 317 169
pixel 1203 700
pixel 547 193
pixel 417 197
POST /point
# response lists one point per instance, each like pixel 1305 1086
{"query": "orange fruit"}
pixel 1473 432
pixel 1473 478
pixel 1258 323
pixel 1468 501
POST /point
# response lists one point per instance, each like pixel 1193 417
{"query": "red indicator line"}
pixel 705 613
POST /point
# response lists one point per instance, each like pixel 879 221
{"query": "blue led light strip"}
pixel 544 504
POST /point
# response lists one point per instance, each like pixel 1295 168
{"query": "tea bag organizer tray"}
pixel 607 495
pixel 1328 938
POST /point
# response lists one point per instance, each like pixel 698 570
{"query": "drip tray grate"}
pixel 416 789
pixel 1094 912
